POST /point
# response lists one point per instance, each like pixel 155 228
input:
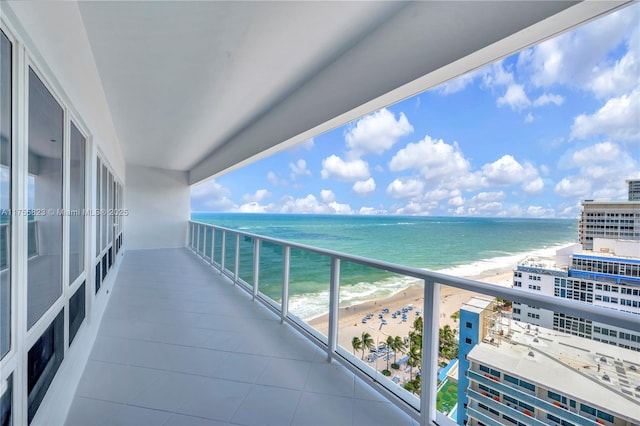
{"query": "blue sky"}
pixel 529 136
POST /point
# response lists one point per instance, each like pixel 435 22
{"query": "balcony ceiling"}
pixel 208 86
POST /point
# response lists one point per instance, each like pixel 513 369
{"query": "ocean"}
pixel 452 245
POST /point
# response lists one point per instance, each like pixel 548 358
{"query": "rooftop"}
pixel 569 365
pixel 478 305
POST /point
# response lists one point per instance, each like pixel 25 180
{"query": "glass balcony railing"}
pixel 475 363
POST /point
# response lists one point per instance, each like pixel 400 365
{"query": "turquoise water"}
pixel 459 246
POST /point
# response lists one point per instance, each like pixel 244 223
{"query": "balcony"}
pixel 185 339
pixel 179 344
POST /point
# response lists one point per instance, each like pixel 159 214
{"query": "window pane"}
pixel 103 205
pixel 76 202
pixel 44 279
pixel 76 312
pixel 5 193
pixel 98 170
pixel 44 358
pixel 6 397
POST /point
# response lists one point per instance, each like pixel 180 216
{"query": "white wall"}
pixel 159 207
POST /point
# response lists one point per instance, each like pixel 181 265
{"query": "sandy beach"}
pixel 451 300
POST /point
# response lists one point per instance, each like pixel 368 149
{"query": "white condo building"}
pixel 608 278
pixel 539 376
pixel 610 219
pixel 115 308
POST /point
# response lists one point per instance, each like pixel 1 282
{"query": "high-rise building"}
pixel 604 279
pixel 634 189
pixel 535 375
pixel 610 220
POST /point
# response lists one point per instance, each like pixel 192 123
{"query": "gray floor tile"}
pixel 88 412
pixel 214 399
pixel 266 405
pixel 285 373
pixel 179 345
pixel 330 379
pixel 323 410
pixel 182 420
pixel 366 413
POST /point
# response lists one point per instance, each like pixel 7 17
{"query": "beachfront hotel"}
pixel 114 307
pixel 539 376
pixel 610 219
pixel 516 372
pixel 604 273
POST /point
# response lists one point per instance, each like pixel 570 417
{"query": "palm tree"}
pixel 418 325
pixel 398 345
pixel 390 342
pixel 367 342
pixel 356 343
pixel 415 358
pixel 447 345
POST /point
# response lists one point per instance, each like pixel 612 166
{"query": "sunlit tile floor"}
pixel 179 345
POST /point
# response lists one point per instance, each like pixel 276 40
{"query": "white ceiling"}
pixel 206 86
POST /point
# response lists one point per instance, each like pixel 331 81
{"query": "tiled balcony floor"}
pixel 179 345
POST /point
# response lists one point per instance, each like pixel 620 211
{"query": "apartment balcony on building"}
pixel 116 307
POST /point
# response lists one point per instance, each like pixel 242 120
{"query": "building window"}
pixel 605 416
pixel 5 403
pixel 509 419
pixel 469 325
pixel 5 199
pixel 587 409
pixel 527 385
pixel 511 379
pixel 553 418
pixel 467 340
pixel 76 312
pixel 76 203
pixel 44 358
pixel 46 137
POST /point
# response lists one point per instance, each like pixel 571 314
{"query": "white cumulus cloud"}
pixel 334 167
pixel 363 187
pixel 515 97
pixel 299 168
pixel 573 187
pixel 548 98
pixel 211 196
pixel 405 188
pixel 617 119
pixel 580 58
pixel 534 186
pixel 376 133
pixel 257 196
pixel 327 195
pixel 434 159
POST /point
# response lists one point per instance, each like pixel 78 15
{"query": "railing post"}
pixel 198 240
pixel 213 246
pixel 256 266
pixel 334 299
pixel 237 264
pixel 285 283
pixel 430 343
pixel 223 255
pixel 204 244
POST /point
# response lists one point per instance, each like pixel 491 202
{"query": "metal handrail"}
pixel 569 307
pixel 425 411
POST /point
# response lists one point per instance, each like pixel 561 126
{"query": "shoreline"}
pixel 350 317
pixel 452 299
pixel 485 270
